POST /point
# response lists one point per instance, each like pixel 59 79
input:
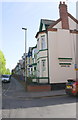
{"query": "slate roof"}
pixel 46 23
pixel 51 23
pixel 30 52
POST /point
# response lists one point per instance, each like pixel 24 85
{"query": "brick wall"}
pixel 37 88
pixel 64 15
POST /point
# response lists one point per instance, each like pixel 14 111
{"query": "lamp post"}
pixel 25 29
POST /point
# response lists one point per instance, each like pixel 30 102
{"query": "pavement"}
pixel 36 95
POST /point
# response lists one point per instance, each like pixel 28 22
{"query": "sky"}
pixel 15 16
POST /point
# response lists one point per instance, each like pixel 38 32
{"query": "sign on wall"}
pixel 65 62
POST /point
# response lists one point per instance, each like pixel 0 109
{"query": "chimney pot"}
pixel 60 2
pixel 63 2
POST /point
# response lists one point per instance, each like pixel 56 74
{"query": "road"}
pixel 15 106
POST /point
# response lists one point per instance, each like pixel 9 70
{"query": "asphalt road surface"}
pixel 15 106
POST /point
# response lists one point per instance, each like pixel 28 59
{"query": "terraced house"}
pixel 34 62
pixel 56 44
pixel 29 62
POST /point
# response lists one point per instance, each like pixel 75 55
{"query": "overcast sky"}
pixel 16 15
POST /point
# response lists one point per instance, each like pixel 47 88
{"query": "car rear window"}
pixel 71 81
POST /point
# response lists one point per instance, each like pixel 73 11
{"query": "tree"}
pixel 3 69
pixel 2 63
pixel 7 71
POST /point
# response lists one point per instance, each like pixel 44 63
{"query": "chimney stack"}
pixel 64 15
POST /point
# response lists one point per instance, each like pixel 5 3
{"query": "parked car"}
pixel 72 87
pixel 5 78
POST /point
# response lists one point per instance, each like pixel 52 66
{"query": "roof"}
pixel 73 18
pixel 46 23
pixel 57 21
pixel 29 52
pixel 30 49
pixel 34 47
pixel 51 23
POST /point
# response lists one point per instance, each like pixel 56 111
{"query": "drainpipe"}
pixel 47 57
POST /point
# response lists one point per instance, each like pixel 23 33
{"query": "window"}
pixel 43 65
pixel 34 68
pixel 29 60
pixel 43 45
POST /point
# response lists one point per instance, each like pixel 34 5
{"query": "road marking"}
pixel 5 91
